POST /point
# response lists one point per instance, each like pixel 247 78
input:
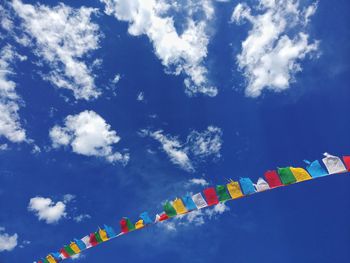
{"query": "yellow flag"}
pixel 50 259
pixel 234 190
pixel 300 174
pixel 103 235
pixel 179 206
pixel 74 247
pixel 139 224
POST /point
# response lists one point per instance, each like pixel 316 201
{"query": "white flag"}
pixel 333 164
pixel 261 185
pixel 86 241
pixel 199 201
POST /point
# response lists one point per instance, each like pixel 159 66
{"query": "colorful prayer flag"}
pixel 124 226
pixel 261 185
pixel 199 201
pixel 69 250
pixel 222 193
pixel 286 175
pixel 273 179
pixel 346 160
pixel 300 174
pixel 333 164
pixel 146 219
pixel 81 245
pixel 247 186
pixel 169 209
pixel 63 253
pixel 190 205
pixel 98 238
pixel 162 217
pixel 86 241
pixel 315 169
pixel 92 240
pixel 50 259
pixel 179 206
pixel 234 189
pixel 110 231
pixel 210 196
pixel 74 247
pixel 130 225
pixel 57 256
pixel 103 234
pixel 139 224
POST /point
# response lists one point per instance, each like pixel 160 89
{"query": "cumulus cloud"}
pixel 47 210
pixel 87 133
pixel 7 242
pixel 10 102
pixel 197 147
pixel 276 44
pixel 63 37
pixel 180 50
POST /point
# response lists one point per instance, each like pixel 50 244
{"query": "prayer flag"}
pixel 261 185
pixel 234 189
pixel 273 179
pixel 333 164
pixel 124 226
pixel 130 225
pixel 98 238
pixel 74 247
pixel 199 201
pixel 57 256
pixel 286 175
pixel 146 219
pixel 50 259
pixel 93 242
pixel 300 174
pixel 346 160
pixel 69 250
pixel 64 254
pixel 315 169
pixel 46 261
pixel 86 241
pixel 81 245
pixel 247 186
pixel 210 196
pixel 190 205
pixel 179 206
pixel 161 217
pixel 139 224
pixel 103 234
pixel 169 209
pixel 222 193
pixel 110 231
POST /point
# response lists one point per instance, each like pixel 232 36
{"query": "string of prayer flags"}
pixel 234 189
pixel 247 186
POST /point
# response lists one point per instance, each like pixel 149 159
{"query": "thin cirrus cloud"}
pixel 63 37
pixel 183 52
pixel 7 242
pixel 276 44
pixel 198 147
pixel 87 133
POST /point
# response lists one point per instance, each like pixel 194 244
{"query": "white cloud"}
pixel 10 126
pixel 140 96
pixel 276 44
pixel 197 147
pixel 81 218
pixel 68 198
pixel 88 134
pixel 63 37
pixel 7 242
pixel 45 209
pixel 182 52
pixel 198 181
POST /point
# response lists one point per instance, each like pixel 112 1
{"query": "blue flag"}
pixel 315 169
pixel 247 186
pixel 110 232
pixel 190 205
pixel 146 219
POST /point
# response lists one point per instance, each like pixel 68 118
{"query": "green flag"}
pixel 222 193
pixel 169 210
pixel 98 238
pixel 130 225
pixel 69 250
pixel 286 175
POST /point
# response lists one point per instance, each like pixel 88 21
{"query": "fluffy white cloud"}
pixel 179 52
pixel 276 44
pixel 197 147
pixel 10 126
pixel 45 209
pixel 63 37
pixel 198 181
pixel 7 242
pixel 88 134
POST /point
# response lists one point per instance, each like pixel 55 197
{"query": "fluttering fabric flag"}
pixel 103 234
pixel 286 175
pixel 123 226
pixel 130 225
pixel 81 245
pixel 210 196
pixel 74 247
pixel 179 206
pixel 57 256
pixel 146 219
pixel 199 201
pixel 169 209
pixel 98 238
pixel 223 195
pixel 45 260
pixel 346 160
pixel 261 185
pixel 63 253
pixel 110 231
pixel 247 186
pixel 93 242
pixel 300 174
pixel 69 250
pixel 139 224
pixel 315 169
pixel 50 259
pixel 86 241
pixel 190 205
pixel 234 189
pixel 161 217
pixel 273 179
pixel 333 164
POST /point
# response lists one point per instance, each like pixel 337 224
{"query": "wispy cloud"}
pixel 7 242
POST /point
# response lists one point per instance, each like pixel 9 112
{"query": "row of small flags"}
pixel 210 196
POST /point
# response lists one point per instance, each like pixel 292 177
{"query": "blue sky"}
pixel 109 110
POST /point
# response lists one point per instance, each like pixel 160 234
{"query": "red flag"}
pixel 93 240
pixel 163 217
pixel 64 253
pixel 124 225
pixel 210 196
pixel 346 160
pixel 273 179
